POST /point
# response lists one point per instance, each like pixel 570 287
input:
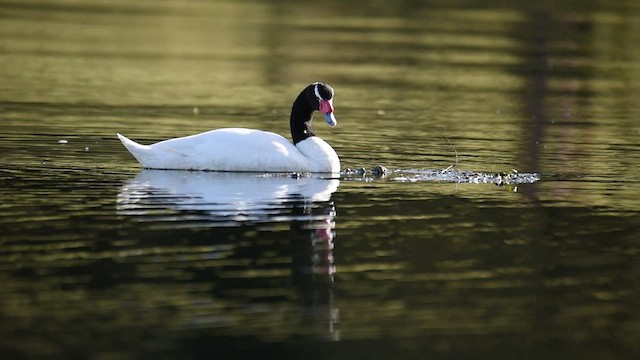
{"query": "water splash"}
pixel 450 175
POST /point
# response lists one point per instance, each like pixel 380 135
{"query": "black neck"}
pixel 301 117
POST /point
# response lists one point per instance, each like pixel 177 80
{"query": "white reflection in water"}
pixel 222 197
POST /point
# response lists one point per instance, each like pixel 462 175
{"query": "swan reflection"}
pixel 222 197
pixel 216 203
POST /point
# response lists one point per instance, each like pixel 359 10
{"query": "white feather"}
pixel 236 149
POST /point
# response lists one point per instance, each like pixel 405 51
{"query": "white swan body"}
pixel 236 149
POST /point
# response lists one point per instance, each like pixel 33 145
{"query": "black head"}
pixel 322 91
pixel 316 92
pixel 317 96
pixel 324 98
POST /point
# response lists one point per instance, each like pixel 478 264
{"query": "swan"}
pixel 240 149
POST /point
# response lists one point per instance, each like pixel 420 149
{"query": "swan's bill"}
pixel 326 108
pixel 331 119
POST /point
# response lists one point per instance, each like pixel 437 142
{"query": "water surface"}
pixel 100 259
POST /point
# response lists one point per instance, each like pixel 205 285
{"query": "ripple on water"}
pixel 449 174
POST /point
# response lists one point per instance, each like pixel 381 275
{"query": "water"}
pixel 99 259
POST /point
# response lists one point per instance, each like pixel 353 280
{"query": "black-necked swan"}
pixel 238 149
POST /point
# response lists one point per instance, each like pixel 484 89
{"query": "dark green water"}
pixel 101 260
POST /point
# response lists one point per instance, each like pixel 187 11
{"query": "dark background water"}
pixel 99 259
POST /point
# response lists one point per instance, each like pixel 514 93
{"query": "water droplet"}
pixel 63 142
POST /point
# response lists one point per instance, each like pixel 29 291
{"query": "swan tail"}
pixel 139 151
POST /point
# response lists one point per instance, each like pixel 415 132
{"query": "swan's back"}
pixel 231 149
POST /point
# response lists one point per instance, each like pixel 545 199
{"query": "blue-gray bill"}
pixel 331 119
